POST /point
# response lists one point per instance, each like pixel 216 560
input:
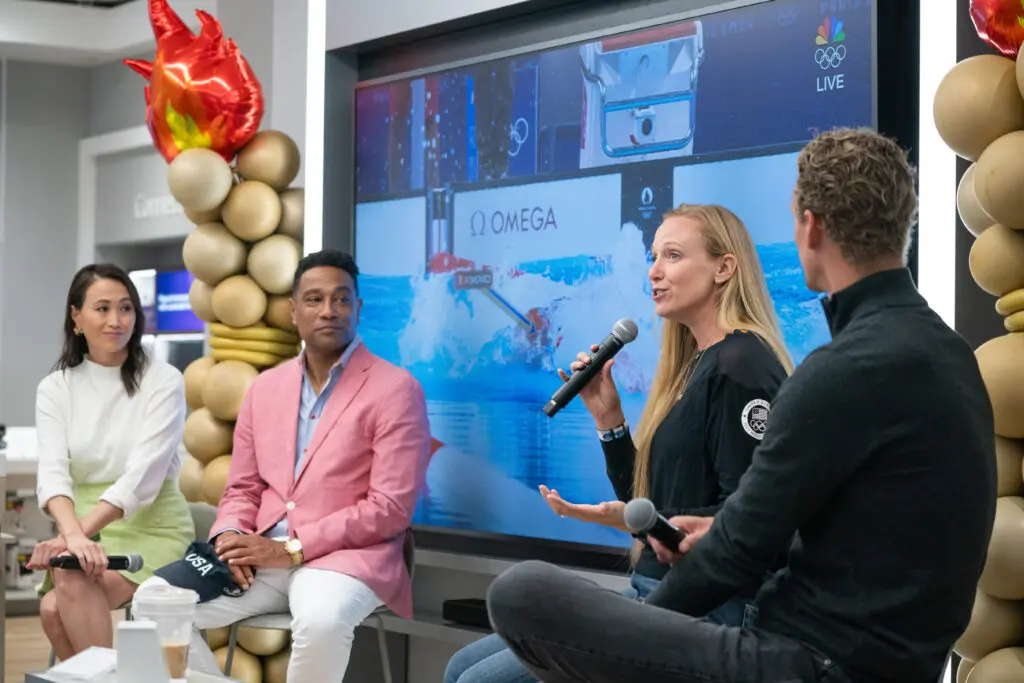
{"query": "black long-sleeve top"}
pixel 705 443
pixel 881 458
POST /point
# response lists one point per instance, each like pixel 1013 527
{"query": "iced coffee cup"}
pixel 173 610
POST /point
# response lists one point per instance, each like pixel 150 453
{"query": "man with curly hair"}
pixel 876 473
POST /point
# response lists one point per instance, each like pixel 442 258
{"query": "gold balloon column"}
pixel 243 253
pixel 204 107
pixel 979 113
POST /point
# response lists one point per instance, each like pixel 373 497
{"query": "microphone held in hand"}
pixel 118 563
pixel 624 331
pixel 641 517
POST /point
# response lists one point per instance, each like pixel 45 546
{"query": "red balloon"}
pixel 202 91
pixel 1000 23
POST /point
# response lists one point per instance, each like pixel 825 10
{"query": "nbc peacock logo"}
pixel 830 31
pixel 831 50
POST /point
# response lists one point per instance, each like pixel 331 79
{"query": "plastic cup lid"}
pixel 161 594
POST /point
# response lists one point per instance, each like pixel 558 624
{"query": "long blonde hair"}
pixel 742 303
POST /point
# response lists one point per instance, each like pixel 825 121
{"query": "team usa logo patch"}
pixel 755 418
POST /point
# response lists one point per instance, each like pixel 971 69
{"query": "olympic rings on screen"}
pixel 518 133
pixel 829 57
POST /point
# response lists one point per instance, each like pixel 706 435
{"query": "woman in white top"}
pixel 109 421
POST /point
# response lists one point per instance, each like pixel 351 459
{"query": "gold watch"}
pixel 293 547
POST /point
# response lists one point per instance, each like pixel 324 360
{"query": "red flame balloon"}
pixel 1000 23
pixel 202 92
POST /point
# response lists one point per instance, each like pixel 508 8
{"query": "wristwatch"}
pixel 293 547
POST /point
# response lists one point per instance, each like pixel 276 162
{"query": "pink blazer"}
pixel 359 482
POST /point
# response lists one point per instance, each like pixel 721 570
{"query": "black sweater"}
pixel 705 443
pixel 881 457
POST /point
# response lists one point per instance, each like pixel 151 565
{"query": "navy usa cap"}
pixel 202 571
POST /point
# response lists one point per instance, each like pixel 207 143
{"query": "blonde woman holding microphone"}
pixel 722 360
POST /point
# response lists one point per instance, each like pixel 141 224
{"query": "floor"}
pixel 26 648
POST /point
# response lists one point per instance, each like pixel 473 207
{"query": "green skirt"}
pixel 160 532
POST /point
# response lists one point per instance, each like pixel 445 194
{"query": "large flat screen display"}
pixel 173 310
pixel 505 212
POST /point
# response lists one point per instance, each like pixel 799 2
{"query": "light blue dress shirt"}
pixel 311 408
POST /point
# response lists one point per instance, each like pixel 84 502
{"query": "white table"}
pixel 43 677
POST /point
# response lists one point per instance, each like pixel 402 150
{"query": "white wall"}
pixel 47 114
pixel 272 35
pixel 350 23
pixel 116 99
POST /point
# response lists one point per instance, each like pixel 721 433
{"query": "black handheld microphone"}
pixel 624 331
pixel 118 563
pixel 641 517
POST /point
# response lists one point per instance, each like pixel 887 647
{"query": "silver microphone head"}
pixel 640 515
pixel 625 329
pixel 134 562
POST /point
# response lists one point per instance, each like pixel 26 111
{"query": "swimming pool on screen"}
pixel 487 374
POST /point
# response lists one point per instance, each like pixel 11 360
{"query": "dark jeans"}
pixel 566 628
pixel 736 612
pixel 489 660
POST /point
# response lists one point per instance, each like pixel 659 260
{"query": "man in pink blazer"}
pixel 330 452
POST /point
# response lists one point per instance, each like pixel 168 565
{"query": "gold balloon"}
pixel 963 670
pixel 1003 374
pixel 275 667
pixel 190 479
pixel 971 214
pixel 217 638
pixel 260 359
pixel 977 102
pixel 257 332
pixel 200 217
pixel 263 641
pixel 1014 322
pixel 206 437
pixel 279 312
pixel 199 179
pixel 245 667
pixel 1011 302
pixel 1020 74
pixel 999 180
pixel 1002 666
pixel 271 157
pixel 293 213
pixel 215 478
pixel 1002 576
pixel 200 297
pixel 195 375
pixel 996 260
pixel 225 388
pixel 994 624
pixel 252 211
pixel 238 301
pixel 211 253
pixel 272 263
pixel 1009 462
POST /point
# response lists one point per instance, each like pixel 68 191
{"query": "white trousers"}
pixel 325 606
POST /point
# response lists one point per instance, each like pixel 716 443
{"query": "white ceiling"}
pixel 68 32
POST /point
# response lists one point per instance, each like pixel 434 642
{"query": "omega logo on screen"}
pixel 526 219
